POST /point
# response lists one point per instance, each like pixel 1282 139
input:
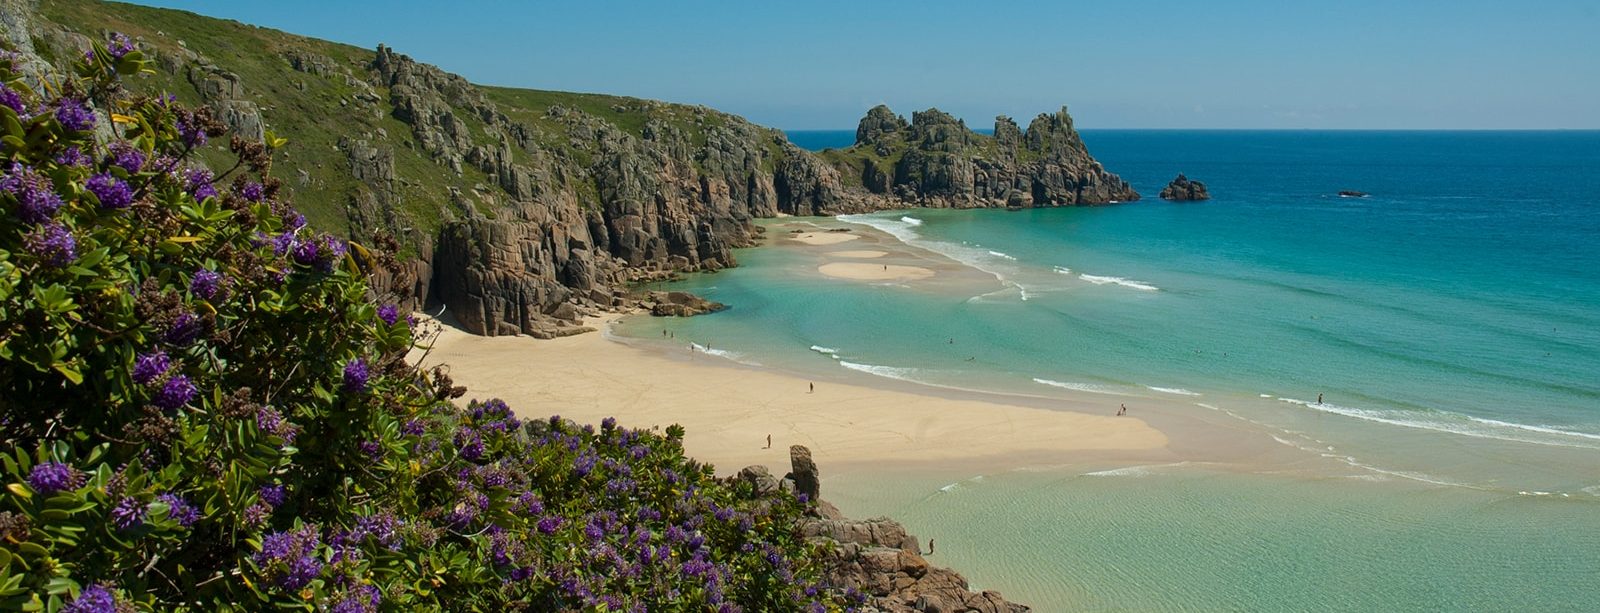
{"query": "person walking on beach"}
pixel 769 442
pixel 1319 398
pixel 813 388
pixel 1122 411
pixel 930 547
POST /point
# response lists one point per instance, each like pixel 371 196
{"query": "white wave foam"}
pixel 1002 255
pixel 888 372
pixel 1099 280
pixel 821 349
pixel 1266 395
pixel 1062 270
pixel 911 220
pixel 1453 423
pixel 724 354
pixel 1540 429
pixel 1143 470
pixel 1171 390
pixel 1082 387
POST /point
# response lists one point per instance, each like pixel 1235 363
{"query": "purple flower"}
pixel 54 245
pixel 293 221
pixel 361 599
pixel 331 254
pixel 186 327
pixel 36 198
pixel 72 156
pixel 383 527
pixel 206 284
pixel 11 98
pixel 549 524
pixel 197 181
pixel 74 115
pixel 256 515
pixel 93 599
pixel 113 193
pixel 290 558
pixel 177 392
pixel 51 477
pixel 282 243
pixel 389 314
pixel 119 45
pixel 128 514
pixel 413 427
pixel 356 375
pixel 180 510
pixel 305 253
pixel 273 495
pixel 126 157
pixel 150 366
pixel 608 424
pixel 191 130
pixel 371 449
pixel 270 421
pixel 252 191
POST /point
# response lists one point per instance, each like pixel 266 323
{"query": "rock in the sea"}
pixel 1182 189
pixel 1350 193
pixel 681 304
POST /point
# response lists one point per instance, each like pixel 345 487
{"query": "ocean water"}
pixel 1450 321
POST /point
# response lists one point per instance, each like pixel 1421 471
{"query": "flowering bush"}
pixel 203 407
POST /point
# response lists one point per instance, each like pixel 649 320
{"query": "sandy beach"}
pixel 863 254
pixel 729 409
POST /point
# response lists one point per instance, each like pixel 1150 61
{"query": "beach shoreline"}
pixel 728 408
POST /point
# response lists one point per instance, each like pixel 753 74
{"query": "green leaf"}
pixel 70 373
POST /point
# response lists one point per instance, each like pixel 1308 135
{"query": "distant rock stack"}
pixel 1182 189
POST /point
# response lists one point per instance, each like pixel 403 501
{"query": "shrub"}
pixel 204 407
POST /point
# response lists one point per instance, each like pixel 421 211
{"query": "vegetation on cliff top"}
pixel 204 408
pixel 331 95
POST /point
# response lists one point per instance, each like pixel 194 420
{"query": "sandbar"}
pixel 874 272
pixel 823 238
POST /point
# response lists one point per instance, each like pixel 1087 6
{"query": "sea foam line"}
pixel 724 354
pixel 821 349
pixel 1081 387
pixel 1463 425
pixel 1171 390
pixel 1138 285
pixel 1002 255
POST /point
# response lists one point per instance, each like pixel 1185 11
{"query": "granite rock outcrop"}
pixel 936 160
pixel 877 557
pixel 1182 189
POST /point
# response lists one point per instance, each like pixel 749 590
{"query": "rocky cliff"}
pixel 935 160
pixel 520 210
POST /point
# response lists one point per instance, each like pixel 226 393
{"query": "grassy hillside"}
pixel 315 111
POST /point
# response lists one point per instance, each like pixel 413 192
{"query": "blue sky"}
pixel 1116 64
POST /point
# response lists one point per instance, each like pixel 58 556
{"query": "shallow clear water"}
pixel 1451 320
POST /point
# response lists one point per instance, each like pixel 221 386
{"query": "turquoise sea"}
pixel 1450 321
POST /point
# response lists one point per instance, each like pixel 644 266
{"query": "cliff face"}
pixel 934 160
pixel 520 210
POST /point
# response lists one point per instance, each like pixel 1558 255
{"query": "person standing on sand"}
pixel 1122 411
pixel 1319 398
pixel 769 441
pixel 813 388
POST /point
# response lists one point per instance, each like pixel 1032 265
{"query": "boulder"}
pixel 804 472
pixel 681 304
